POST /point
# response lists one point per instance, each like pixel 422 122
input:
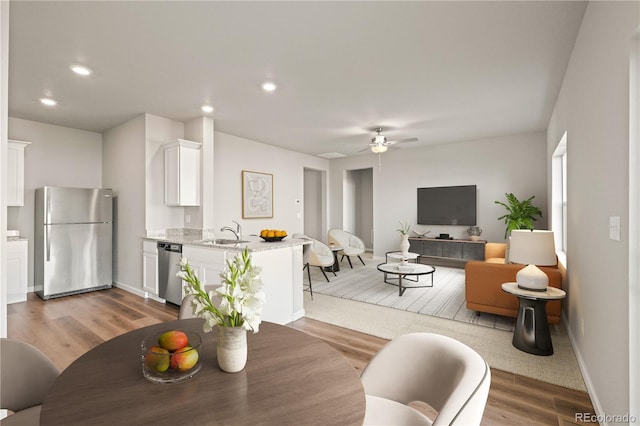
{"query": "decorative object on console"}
pixel 520 214
pixel 257 195
pixel 474 233
pixel 420 233
pixel 532 248
pixel 404 237
pixel 240 307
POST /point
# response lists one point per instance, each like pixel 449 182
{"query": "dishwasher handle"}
pixel 175 248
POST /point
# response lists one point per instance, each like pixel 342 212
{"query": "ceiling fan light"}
pixel 378 149
pixel 379 139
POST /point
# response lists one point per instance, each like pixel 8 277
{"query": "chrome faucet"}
pixel 237 232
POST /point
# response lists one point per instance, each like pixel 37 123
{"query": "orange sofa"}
pixel 484 279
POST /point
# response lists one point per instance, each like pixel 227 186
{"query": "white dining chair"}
pixel 437 370
pixel 350 243
pixel 26 375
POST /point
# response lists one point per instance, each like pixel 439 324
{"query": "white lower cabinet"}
pixel 206 263
pixel 150 266
pixel 17 270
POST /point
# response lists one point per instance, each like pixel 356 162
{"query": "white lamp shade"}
pixel 378 149
pixel 532 247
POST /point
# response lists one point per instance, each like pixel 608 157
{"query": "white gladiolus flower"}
pixel 241 294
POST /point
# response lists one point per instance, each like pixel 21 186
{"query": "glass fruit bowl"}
pixel 171 356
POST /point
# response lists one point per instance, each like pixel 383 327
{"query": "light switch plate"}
pixel 614 228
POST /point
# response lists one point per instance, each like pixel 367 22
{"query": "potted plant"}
pixel 239 310
pixel 520 214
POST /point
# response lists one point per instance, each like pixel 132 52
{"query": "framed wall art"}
pixel 257 195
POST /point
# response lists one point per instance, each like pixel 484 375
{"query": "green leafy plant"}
pixel 520 214
pixel 404 228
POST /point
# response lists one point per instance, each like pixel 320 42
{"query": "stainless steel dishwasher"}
pixel 169 285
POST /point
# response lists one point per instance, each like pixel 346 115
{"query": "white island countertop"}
pixel 252 242
pixel 280 263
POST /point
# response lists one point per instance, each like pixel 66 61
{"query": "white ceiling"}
pixel 438 71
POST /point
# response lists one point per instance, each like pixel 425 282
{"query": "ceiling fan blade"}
pixel 401 141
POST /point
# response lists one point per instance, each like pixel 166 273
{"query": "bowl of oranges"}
pixel 271 235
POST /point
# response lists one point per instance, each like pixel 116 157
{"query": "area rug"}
pixel 492 344
pixel 446 299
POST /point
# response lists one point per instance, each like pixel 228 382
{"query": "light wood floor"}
pixel 67 327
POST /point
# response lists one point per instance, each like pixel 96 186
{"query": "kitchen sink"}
pixel 223 241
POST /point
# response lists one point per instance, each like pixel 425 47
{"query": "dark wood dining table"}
pixel 290 378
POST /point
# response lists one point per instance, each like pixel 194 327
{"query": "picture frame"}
pixel 257 195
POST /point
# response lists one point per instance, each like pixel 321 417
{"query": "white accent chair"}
pixel 26 375
pixel 315 254
pixel 350 243
pixel 437 370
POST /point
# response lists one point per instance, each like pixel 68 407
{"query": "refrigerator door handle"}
pixel 47 239
pixel 48 208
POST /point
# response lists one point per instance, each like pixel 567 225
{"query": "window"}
pixel 559 198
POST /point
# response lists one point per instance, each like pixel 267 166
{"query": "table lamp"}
pixel 532 248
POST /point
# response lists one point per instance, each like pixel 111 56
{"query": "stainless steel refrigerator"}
pixel 73 240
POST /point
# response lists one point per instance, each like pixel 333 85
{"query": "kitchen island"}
pixel 281 264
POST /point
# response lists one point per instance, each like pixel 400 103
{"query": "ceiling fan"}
pixel 380 144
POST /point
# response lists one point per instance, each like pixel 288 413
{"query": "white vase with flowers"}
pixel 240 308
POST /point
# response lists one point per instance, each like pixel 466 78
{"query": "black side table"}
pixel 532 334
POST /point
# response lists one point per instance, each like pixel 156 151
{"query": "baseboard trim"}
pixel 591 390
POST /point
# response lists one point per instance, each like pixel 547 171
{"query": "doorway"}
pixel 357 202
pixel 314 204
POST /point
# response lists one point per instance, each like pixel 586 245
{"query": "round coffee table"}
pixel 415 257
pixel 403 270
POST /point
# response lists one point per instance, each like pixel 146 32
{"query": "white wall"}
pixel 123 157
pixel 497 165
pixel 57 156
pixel 593 108
pixel 201 130
pixel 234 154
pixel 159 131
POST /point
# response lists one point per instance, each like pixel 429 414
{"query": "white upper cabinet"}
pixel 182 173
pixel 15 172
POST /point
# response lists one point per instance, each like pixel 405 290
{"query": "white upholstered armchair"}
pixel 315 254
pixel 438 370
pixel 26 376
pixel 350 243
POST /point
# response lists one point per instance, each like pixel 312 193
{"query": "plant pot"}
pixel 232 348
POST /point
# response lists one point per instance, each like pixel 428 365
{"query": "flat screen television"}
pixel 447 205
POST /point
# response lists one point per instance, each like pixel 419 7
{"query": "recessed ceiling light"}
pixel 269 86
pixel 207 108
pixel 48 101
pixel 80 69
